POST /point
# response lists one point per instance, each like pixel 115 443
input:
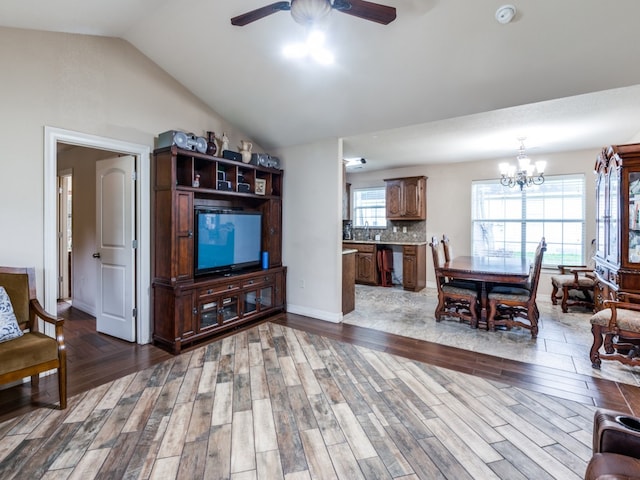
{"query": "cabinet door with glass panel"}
pixel 217 308
pixel 613 249
pixel 633 177
pixel 259 294
pixel 258 299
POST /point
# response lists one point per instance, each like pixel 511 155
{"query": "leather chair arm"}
pixel 610 435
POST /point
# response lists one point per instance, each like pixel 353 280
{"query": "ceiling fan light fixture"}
pixel 313 47
pixel 308 12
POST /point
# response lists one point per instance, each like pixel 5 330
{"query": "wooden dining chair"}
pixel 448 255
pixel 453 301
pixel 516 306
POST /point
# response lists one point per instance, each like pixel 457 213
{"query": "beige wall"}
pixel 93 85
pixel 449 195
pixel 312 226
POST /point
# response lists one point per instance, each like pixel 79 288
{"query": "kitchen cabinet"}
pixel 365 263
pixel 617 222
pixel 406 198
pixel 414 263
pixel 414 267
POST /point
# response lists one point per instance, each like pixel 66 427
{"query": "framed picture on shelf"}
pixel 261 186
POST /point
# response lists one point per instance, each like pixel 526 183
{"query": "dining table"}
pixel 487 271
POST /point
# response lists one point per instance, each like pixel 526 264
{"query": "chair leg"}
pixel 62 381
pixel 594 354
pixel 565 299
pixel 474 313
pixel 491 321
pixel 35 381
pixel 440 307
pixel 533 320
pixel 554 295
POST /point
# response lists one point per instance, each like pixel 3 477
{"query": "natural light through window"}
pixel 369 207
pixel 509 222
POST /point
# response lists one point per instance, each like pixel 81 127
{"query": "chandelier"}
pixel 525 174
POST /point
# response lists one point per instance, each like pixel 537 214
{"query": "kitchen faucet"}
pixel 367 235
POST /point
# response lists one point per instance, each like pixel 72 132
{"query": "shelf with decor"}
pixel 206 172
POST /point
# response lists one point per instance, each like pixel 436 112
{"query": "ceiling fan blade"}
pixel 367 10
pixel 252 16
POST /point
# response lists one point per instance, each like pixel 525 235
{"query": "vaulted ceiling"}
pixel 443 82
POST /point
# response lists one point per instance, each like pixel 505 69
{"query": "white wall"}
pixel 93 85
pixel 449 196
pixel 312 226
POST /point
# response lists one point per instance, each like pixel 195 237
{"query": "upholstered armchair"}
pixel 575 284
pixel 616 447
pixel 617 327
pixel 24 351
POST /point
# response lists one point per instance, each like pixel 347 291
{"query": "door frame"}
pixel 142 154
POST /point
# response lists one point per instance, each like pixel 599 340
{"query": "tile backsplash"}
pixel 416 232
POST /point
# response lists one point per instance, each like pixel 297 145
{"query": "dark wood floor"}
pixel 94 359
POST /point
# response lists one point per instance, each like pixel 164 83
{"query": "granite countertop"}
pixel 346 251
pixel 382 242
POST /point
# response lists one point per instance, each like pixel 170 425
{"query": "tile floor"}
pixel 563 342
pixel 274 402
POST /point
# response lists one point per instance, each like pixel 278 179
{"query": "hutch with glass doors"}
pixel 217 245
pixel 617 222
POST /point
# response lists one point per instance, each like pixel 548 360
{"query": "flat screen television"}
pixel 227 240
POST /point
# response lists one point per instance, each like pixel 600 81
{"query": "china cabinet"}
pixel 617 221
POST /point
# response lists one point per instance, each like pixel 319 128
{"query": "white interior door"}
pixel 115 253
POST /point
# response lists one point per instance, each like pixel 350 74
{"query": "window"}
pixel 510 222
pixel 369 207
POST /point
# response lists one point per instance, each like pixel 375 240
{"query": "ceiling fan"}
pixel 307 12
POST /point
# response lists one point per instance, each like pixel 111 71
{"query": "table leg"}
pixel 483 304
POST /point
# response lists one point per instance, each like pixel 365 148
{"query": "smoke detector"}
pixel 505 14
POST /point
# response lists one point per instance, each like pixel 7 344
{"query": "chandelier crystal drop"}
pixel 524 174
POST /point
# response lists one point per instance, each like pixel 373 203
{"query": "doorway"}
pixel 65 229
pixel 55 137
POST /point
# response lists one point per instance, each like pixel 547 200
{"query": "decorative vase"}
pixel 245 151
pixel 212 148
pixel 224 143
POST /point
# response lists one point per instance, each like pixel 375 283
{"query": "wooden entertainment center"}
pixel 187 308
